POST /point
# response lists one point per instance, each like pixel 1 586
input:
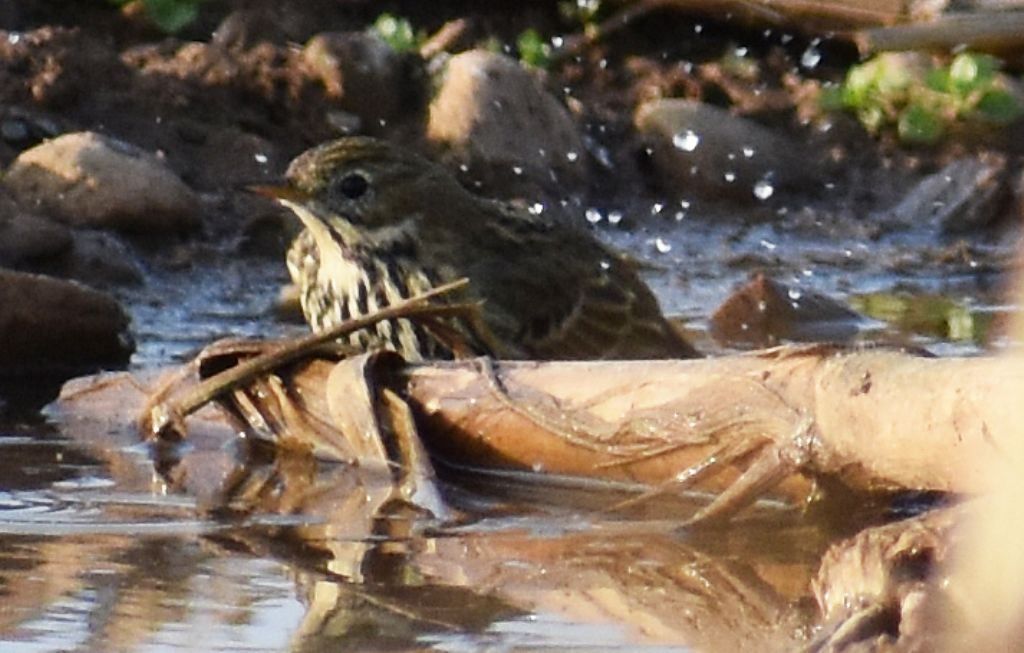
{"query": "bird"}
pixel 383 223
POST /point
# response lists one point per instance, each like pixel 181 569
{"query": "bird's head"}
pixel 368 182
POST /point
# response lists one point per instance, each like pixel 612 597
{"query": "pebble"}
pixel 364 75
pixel 704 151
pixel 495 121
pixel 86 179
pixel 51 326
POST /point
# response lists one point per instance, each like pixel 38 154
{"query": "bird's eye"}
pixel 353 185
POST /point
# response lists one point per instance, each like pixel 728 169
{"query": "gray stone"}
pixel 27 237
pixel 493 117
pixel 51 326
pixel 699 150
pixel 968 193
pixel 87 179
pixel 362 73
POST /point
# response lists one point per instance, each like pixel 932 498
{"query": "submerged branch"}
pixel 163 417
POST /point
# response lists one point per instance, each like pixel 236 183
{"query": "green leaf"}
pixel 937 79
pixel 872 117
pixel 533 50
pixel 831 97
pixel 919 124
pixel 172 15
pixel 999 106
pixel 970 71
pixel 396 32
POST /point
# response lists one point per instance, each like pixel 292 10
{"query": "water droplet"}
pixel 812 55
pixel 517 170
pixel 684 204
pixel 602 64
pixel 762 306
pixel 680 216
pixel 572 156
pixel 686 141
pixel 794 294
pixel 662 246
pixel 538 467
pixel 729 176
pixel 785 38
pixel 557 41
pixel 536 208
pixel 748 151
pixel 807 272
pixel 463 167
pixel 593 216
pixel 698 28
pixel 763 189
pixel 260 158
pixel 768 245
pixel 657 208
pixel 741 51
pixel 14 38
pixel 614 217
pixel 605 265
pixel 731 156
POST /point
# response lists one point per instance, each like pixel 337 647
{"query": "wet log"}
pixel 872 419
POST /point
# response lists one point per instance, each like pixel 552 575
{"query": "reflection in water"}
pixel 304 556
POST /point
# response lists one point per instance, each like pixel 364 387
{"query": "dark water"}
pixel 97 555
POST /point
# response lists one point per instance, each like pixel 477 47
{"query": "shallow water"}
pixel 96 556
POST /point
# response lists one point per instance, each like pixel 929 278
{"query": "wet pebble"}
pixel 967 194
pixel 366 77
pixel 87 179
pixel 51 326
pixel 27 237
pixel 701 150
pixel 502 129
pixel 765 312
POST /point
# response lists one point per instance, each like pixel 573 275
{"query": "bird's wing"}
pixel 609 314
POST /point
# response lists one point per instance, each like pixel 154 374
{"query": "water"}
pixel 98 551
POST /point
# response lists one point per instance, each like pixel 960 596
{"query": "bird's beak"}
pixel 281 193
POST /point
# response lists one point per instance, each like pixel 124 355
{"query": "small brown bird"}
pixel 384 224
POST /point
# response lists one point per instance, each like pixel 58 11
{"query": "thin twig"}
pixel 166 414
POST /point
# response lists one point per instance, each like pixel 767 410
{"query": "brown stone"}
pixel 765 312
pixel 90 180
pixel 699 150
pixel 494 117
pixel 51 326
pixel 359 71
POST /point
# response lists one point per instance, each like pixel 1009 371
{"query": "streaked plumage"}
pixel 383 223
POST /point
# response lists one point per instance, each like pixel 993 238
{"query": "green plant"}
pixel 895 90
pixel 533 49
pixel 397 32
pixel 169 15
pixel 584 12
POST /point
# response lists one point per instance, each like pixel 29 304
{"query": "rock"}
pixel 97 258
pixel 90 180
pixel 35 243
pixel 699 150
pixel 513 138
pixel 362 73
pixel 27 237
pixel 49 326
pixel 764 312
pixel 967 194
